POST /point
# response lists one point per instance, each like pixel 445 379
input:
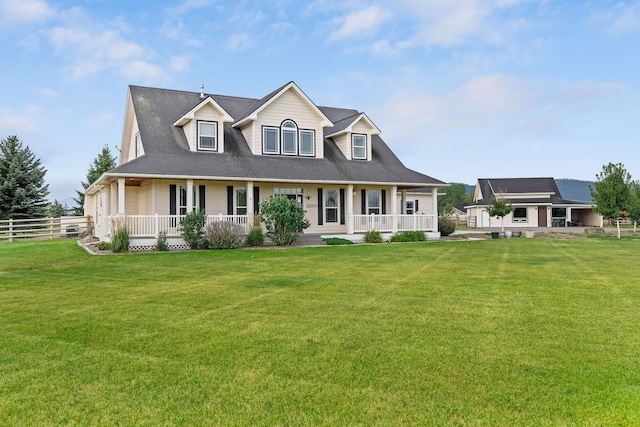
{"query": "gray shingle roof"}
pixel 167 151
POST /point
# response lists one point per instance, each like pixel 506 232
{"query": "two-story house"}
pixel 183 151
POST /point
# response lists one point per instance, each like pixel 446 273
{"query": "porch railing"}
pixel 153 225
pixel 392 223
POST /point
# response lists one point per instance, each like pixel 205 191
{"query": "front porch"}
pixel 144 230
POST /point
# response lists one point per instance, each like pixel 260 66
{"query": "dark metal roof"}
pixel 490 187
pixel 167 151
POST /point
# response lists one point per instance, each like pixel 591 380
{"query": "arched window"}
pixel 289 137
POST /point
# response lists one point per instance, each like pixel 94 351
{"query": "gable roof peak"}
pixel 261 104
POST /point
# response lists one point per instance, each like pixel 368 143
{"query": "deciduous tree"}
pixel 500 208
pixel 23 191
pixel 612 192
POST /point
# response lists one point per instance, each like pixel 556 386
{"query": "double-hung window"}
pixel 520 215
pixel 307 143
pixel 289 138
pixel 271 140
pixel 241 201
pixel 331 205
pixel 207 136
pixel 410 207
pixel 359 146
pixel 373 202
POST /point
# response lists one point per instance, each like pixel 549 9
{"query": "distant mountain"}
pixel 574 189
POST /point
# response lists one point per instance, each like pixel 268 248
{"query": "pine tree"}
pixel 23 191
pixel 101 164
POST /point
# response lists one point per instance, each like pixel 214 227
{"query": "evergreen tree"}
pixel 23 191
pixel 101 164
pixel 612 192
pixel 55 209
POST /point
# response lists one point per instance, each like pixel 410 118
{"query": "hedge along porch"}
pixel 187 150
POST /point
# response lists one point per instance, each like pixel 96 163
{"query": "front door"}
pixel 542 216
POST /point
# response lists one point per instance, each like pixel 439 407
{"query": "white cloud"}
pixel 14 12
pixel 239 42
pixel 187 6
pixel 624 19
pixel 90 53
pixel 49 93
pixel 12 123
pixel 180 63
pixel 360 23
pixel 498 107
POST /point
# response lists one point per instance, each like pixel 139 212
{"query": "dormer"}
pixel 204 125
pixel 353 136
pixel 285 123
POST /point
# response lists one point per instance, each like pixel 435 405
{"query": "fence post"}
pixel 156 224
pixel 11 229
pixel 50 221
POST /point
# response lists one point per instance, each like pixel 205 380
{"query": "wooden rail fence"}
pixel 66 226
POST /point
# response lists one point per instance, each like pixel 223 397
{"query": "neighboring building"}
pixel 537 203
pixel 187 150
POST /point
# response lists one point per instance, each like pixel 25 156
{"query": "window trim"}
pixel 313 142
pixel 335 208
pixel 236 198
pixel 371 207
pixel 264 139
pixel 293 131
pixel 409 210
pixel 353 146
pixel 524 218
pixel 214 136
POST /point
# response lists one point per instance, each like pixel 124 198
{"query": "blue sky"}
pixel 461 89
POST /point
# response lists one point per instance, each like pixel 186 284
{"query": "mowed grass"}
pixel 479 333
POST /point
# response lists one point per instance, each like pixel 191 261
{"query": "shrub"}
pixel 223 235
pixel 337 241
pixel 255 237
pixel 283 218
pixel 447 224
pixel 191 229
pixel 121 240
pixel 373 237
pixel 104 246
pixel 409 236
pixel 161 244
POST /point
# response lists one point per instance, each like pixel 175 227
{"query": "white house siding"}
pixel 344 144
pixel 131 200
pixel 425 202
pixel 289 105
pixel 131 154
pixel 145 192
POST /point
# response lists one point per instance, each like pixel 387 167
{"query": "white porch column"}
pixel 250 198
pixel 121 196
pixel 403 202
pixel 189 195
pixel 349 208
pixel 113 198
pixel 434 193
pixel 394 208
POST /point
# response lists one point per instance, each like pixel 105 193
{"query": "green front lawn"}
pixel 495 332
